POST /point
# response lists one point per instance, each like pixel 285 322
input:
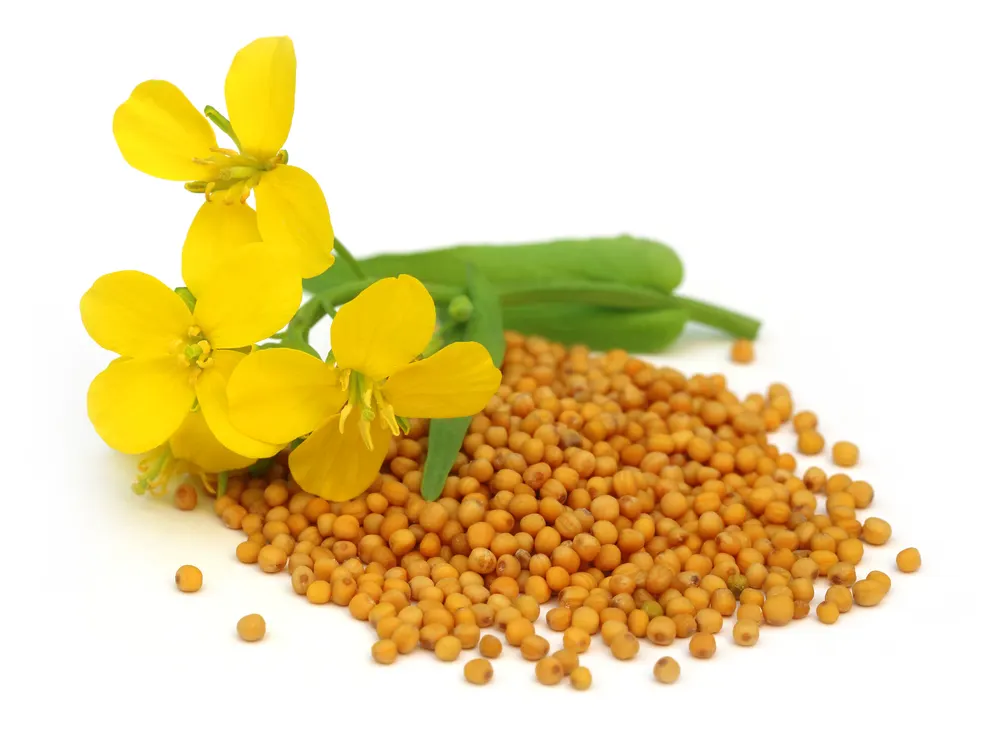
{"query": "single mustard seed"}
pixel 580 678
pixel 876 531
pixel 845 454
pixel 742 351
pixel 625 646
pixel 534 648
pixel 868 592
pixel 568 659
pixel 827 612
pixel 251 628
pixel 478 671
pixel 746 632
pixel 908 560
pixel 185 497
pixel 666 670
pixel 549 671
pixel 490 646
pixel 188 578
pixel 384 652
pixel 702 645
pixel 448 648
pixel 810 443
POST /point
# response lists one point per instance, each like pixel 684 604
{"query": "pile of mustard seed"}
pixel 627 502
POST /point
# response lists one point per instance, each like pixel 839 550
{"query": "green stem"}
pixel 731 322
pixel 341 250
pixel 220 491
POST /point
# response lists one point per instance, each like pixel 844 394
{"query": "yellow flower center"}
pixel 366 395
pixel 233 174
pixel 194 351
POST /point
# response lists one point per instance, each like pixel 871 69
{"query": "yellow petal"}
pixel 456 381
pixel 218 232
pixel 249 297
pixel 278 395
pixel 260 95
pixel 384 328
pixel 136 404
pixel 159 132
pixel 135 315
pixel 292 211
pixel 194 442
pixel 211 391
pixel 338 466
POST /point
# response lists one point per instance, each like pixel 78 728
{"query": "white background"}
pixel 829 167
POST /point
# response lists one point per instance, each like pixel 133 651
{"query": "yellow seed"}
pixel 580 678
pixel 251 628
pixel 624 647
pixel 517 630
pixel 490 646
pixel 868 593
pixel 876 531
pixel 478 671
pixel 534 648
pixel 576 639
pixel 660 631
pixel 384 652
pixel 702 645
pixel 742 351
pixel 779 610
pixel 430 636
pixel 272 559
pixel 827 612
pixel 810 443
pixel 908 560
pixel 840 596
pixel 666 670
pixel 361 606
pixel 746 632
pixel 880 577
pixel 549 671
pixel 188 578
pixel 185 497
pixel 845 454
pixel 248 551
pixel 568 659
pixel 318 593
pixel 467 634
pixel 406 637
pixel 448 648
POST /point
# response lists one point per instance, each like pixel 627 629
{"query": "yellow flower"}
pixel 169 382
pixel 352 407
pixel 161 133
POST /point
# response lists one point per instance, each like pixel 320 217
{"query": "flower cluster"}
pixel 190 388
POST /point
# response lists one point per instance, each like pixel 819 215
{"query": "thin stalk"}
pixel 717 317
pixel 341 250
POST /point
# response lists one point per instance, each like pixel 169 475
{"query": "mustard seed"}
pixel 908 560
pixel 666 670
pixel 478 671
pixel 569 660
pixel 845 454
pixel 580 678
pixel 251 628
pixel 549 671
pixel 746 632
pixel 490 646
pixel 534 648
pixel 185 497
pixel 384 652
pixel 702 645
pixel 828 612
pixel 447 648
pixel 625 646
pixel 188 578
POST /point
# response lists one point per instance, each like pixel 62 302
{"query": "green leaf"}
pixel 447 434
